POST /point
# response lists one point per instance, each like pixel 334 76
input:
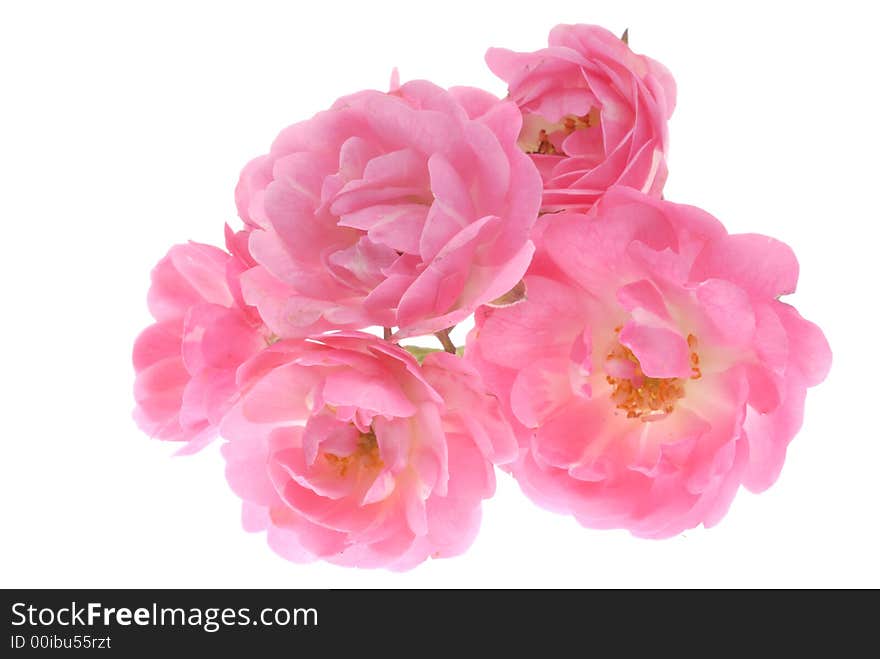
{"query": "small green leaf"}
pixel 420 353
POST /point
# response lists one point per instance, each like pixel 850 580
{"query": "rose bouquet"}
pixel 630 363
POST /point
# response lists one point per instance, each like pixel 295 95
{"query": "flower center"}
pixel 569 124
pixel 545 146
pixel 641 396
pixel 366 455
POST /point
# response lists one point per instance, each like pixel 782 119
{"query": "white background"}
pixel 123 127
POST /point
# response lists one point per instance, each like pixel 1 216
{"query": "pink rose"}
pixel 404 209
pixel 186 361
pixel 344 448
pixel 651 369
pixel 594 114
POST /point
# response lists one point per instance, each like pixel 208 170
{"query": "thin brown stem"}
pixel 386 333
pixel 443 336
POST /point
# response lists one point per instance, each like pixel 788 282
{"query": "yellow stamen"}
pixel 366 455
pixel 545 146
pixel 643 397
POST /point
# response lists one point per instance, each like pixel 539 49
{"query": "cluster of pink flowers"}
pixel 630 364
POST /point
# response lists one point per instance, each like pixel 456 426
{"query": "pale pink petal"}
pixel 808 347
pixel 764 267
pixel 728 309
pixel 643 294
pixel 661 352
